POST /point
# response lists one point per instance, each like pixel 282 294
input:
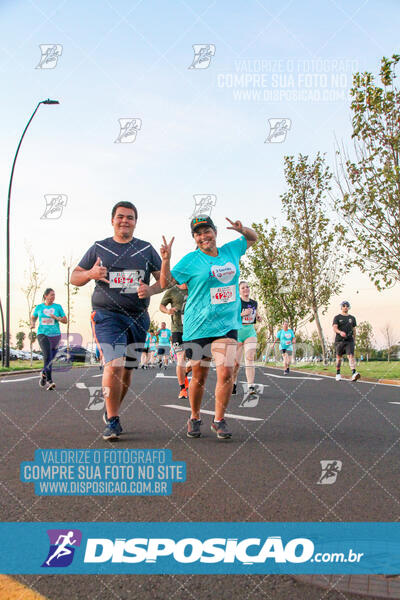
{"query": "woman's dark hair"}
pixel 47 292
pixel 124 205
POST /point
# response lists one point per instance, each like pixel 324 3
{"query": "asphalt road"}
pixel 268 472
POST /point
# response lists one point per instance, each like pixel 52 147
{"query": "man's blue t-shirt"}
pixel 164 335
pixel 47 324
pixel 285 339
pixel 213 306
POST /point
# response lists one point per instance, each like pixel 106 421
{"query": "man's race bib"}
pixel 164 334
pixel 127 280
pixel 223 295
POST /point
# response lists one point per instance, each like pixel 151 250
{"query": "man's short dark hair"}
pixel 124 205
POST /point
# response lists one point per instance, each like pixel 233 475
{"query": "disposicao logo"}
pixel 190 550
pixel 62 547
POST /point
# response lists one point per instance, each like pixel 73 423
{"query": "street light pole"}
pixel 7 334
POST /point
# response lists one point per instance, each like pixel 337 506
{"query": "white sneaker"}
pixel 355 376
pixel 338 377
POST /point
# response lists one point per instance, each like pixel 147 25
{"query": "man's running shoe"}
pixel 42 380
pixel 234 389
pixel 338 377
pixel 51 386
pixel 186 382
pixel 183 394
pixel 286 372
pixel 106 421
pixel 193 428
pixel 221 429
pixel 355 376
pixel 112 430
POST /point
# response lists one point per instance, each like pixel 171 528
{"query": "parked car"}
pixel 76 354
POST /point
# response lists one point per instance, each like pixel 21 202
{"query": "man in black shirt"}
pixel 344 327
pixel 121 267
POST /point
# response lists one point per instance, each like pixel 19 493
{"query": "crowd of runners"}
pixel 213 317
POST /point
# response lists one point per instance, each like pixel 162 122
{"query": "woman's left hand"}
pixel 236 225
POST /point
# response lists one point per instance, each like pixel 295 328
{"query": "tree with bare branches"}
pixel 369 183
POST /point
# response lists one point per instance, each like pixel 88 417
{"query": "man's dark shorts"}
pixel 344 347
pixel 201 348
pixel 120 335
pixel 162 350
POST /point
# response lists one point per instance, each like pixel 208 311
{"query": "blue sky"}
pixel 130 60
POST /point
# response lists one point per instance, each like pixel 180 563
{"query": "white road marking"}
pixel 100 375
pixel 394 402
pixel 211 412
pixel 169 376
pixel 23 379
pixel 289 377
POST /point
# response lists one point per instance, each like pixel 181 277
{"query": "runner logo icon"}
pixel 62 547
pixel 203 54
pixel 330 470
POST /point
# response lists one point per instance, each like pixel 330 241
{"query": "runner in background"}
pixel 287 343
pixel 247 340
pixel 152 349
pixel 164 336
pixel 344 326
pixel 145 354
pixel 176 297
pixel 212 312
pixel 50 315
pixel 121 267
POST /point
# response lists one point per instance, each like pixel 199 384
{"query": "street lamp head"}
pixel 48 101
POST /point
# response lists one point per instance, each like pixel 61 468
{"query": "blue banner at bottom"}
pixel 209 548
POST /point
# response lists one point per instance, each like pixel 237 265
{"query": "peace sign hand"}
pixel 236 225
pixel 165 249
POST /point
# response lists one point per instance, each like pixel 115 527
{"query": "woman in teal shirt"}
pixel 50 315
pixel 212 312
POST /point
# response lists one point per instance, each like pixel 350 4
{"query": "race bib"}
pixel 223 295
pixel 249 319
pixel 163 334
pixel 127 280
pixel 47 321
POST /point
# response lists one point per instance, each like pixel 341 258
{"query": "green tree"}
pixel 390 339
pixel 154 326
pixel 369 184
pixel 33 282
pixel 364 339
pixel 20 339
pixel 268 267
pixel 317 259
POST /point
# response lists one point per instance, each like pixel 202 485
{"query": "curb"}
pixel 376 586
pixel 325 374
pixel 23 371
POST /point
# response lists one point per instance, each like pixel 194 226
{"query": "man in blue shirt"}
pixel 164 345
pixel 121 267
pixel 212 312
pixel 287 340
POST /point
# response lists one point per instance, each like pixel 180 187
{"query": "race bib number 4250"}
pixel 223 295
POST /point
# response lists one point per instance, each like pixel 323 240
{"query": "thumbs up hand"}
pixel 143 291
pixel 98 272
